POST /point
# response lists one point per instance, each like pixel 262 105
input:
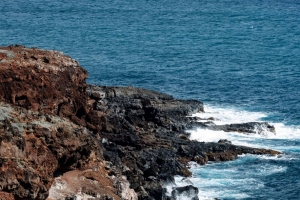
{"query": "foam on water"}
pixel 179 182
pixel 229 115
pixel 286 132
pixel 239 179
pixel 233 179
pixel 283 157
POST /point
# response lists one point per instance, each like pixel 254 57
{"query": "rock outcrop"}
pixel 188 191
pixel 143 136
pixel 262 128
pixel 44 81
pixel 113 142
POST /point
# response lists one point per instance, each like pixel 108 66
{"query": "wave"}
pixel 237 179
pixel 244 177
pixel 229 115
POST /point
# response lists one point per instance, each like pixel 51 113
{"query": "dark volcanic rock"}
pixel 250 127
pixel 189 191
pixel 144 132
pixel 247 128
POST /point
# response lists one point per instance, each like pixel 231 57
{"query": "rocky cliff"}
pixel 64 139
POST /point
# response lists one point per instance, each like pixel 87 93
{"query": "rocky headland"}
pixel 62 138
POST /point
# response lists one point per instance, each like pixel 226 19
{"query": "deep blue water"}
pixel 236 54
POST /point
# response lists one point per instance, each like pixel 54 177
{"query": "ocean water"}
pixel 241 58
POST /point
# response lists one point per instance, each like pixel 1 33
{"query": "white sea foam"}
pixel 281 157
pixel 285 132
pixel 228 115
pixel 225 180
pixel 208 187
pixel 179 182
pixel 229 179
pixel 182 181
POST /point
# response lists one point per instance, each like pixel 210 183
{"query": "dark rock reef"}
pixel 64 139
pixel 261 128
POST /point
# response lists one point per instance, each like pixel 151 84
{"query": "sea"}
pixel 240 57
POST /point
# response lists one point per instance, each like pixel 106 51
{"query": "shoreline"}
pixel 117 142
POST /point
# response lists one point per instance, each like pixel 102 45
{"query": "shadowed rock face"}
pixel 113 142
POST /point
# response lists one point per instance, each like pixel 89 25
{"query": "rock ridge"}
pixel 113 142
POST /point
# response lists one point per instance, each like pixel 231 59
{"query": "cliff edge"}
pixel 64 139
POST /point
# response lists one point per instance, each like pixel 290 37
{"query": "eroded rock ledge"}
pixel 112 142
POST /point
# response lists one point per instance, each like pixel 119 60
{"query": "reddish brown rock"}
pixel 45 81
pixel 36 148
pixel 45 129
pixel 6 196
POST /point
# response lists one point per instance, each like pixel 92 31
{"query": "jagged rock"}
pixel 125 191
pixel 145 130
pixel 188 191
pixel 113 142
pixel 249 127
pixel 262 128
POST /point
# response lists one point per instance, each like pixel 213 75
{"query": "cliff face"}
pixel 43 100
pixel 61 138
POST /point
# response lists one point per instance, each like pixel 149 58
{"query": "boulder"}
pixel 186 192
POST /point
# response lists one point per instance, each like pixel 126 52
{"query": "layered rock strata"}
pixel 113 142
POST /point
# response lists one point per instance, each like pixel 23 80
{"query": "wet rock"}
pixel 224 141
pixel 188 192
pixel 262 128
pixel 250 127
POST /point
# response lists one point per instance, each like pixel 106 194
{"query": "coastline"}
pixel 127 139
